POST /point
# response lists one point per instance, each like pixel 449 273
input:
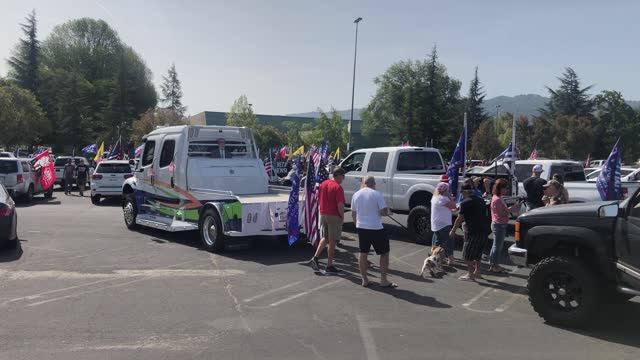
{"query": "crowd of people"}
pixel 481 210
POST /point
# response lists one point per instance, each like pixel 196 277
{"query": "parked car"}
pixel 107 179
pixel 632 177
pixel 8 220
pixel 624 171
pixel 582 255
pixel 21 180
pixel 59 164
pixel 6 154
pixel 597 163
pixel 407 176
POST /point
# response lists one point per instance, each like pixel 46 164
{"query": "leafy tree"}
pixel 475 111
pixel 416 101
pixel 241 114
pixel 615 118
pixel 484 143
pixel 332 129
pixel 21 119
pixel 267 137
pixel 569 99
pixel 26 56
pixel 93 85
pixel 172 91
pixel 153 118
pixel 293 135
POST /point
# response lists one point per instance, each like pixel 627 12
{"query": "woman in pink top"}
pixel 499 220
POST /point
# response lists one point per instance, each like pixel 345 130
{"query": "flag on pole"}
pixel 116 152
pixel 311 201
pixel 99 153
pixel 507 155
pixel 282 154
pixel 90 149
pixel 321 172
pixel 609 184
pixel 299 151
pixel 43 161
pixel 293 208
pixel 405 144
pixel 336 156
pixel 456 163
pixel 534 155
pixel 588 165
pixel 138 151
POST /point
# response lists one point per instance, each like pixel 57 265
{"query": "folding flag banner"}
pixel 609 184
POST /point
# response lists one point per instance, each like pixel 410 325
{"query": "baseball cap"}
pixel 444 178
pixel 537 168
pixel 553 183
pixel 466 187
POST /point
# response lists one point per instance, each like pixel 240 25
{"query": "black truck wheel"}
pixel 564 291
pixel 130 211
pixel 419 224
pixel 210 228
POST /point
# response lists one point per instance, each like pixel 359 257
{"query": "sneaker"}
pixel 331 270
pixel 314 264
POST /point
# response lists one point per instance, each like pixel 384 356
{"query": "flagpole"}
pixel 464 168
pixel 514 181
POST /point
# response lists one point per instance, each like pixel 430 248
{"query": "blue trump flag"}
pixel 293 209
pixel 90 149
pixel 457 162
pixel 609 184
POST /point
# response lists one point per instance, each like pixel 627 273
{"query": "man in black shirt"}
pixel 473 212
pixel 534 188
pixel 83 172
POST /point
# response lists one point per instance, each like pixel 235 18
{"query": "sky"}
pixel 291 56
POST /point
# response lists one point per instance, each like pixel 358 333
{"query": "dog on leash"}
pixel 433 263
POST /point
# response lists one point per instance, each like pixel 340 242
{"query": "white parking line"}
pixel 412 253
pixel 276 290
pixel 86 292
pixel 293 297
pixel 485 291
pixel 367 338
pixel 507 304
pixel 47 249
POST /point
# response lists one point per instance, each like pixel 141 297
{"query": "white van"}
pixel 205 178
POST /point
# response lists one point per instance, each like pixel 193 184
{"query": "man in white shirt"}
pixel 367 209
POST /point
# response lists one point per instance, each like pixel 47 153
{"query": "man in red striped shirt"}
pixel 332 200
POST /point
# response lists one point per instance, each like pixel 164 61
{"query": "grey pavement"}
pixel 82 286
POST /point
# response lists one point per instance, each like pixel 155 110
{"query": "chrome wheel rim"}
pixel 128 213
pixel 209 231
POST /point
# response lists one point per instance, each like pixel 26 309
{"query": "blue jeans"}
pixel 441 238
pixel 499 233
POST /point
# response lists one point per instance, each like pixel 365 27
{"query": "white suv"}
pixel 107 179
pixel 20 180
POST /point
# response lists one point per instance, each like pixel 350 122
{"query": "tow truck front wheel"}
pixel 563 291
pixel 211 234
pixel 130 211
pixel 419 224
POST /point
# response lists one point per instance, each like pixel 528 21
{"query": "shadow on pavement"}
pixel 115 201
pixel 38 201
pixel 9 255
pixel 271 251
pixel 617 323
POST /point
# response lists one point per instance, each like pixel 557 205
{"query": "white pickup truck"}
pixel 189 179
pixel 573 172
pixel 406 176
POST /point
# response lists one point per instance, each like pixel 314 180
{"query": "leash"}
pixel 415 238
pixel 397 222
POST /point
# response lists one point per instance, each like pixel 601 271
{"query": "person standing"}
pixel 332 200
pixel 67 174
pixel 533 186
pixel 473 213
pixel 367 209
pixel 499 221
pixel 82 172
pixel 554 194
pixel 560 179
pixel 441 207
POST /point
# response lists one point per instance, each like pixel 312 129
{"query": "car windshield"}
pixel 8 166
pixel 113 169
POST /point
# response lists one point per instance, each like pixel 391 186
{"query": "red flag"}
pixel 406 143
pixel 534 155
pixel 282 154
pixel 48 176
pixel 588 165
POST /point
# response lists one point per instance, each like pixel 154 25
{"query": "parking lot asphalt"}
pixel 82 286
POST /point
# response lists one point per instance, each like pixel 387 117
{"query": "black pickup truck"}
pixel 581 255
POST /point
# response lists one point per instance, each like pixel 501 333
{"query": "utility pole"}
pixel 353 86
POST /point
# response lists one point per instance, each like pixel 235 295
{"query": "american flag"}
pixel 267 167
pixel 311 201
pixel 321 168
pixel 116 152
pixel 534 155
pixel 508 154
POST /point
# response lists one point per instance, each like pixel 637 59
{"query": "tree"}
pixel 569 99
pixel 172 91
pixel 615 118
pixel 484 144
pixel 21 119
pixel 267 137
pixel 475 111
pixel 293 135
pixel 241 114
pixel 415 101
pixel 93 85
pixel 153 118
pixel 25 60
pixel 332 129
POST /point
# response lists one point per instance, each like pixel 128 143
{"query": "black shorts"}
pixel 377 238
pixel 472 249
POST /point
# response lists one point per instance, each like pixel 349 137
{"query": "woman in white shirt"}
pixel 441 207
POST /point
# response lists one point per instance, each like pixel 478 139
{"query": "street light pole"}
pixel 497 118
pixel 353 86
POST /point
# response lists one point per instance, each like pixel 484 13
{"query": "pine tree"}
pixel 569 99
pixel 172 91
pixel 24 62
pixel 475 111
